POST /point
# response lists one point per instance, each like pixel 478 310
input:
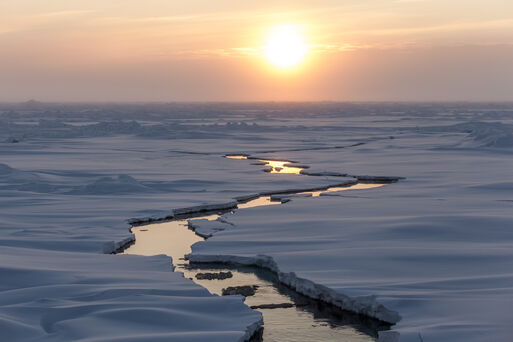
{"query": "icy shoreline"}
pixel 364 305
pixel 367 306
pixel 219 207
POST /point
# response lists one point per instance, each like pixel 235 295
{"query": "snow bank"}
pixel 489 134
pixel 112 247
pixel 206 228
pixel 62 296
pixel 246 198
pixel 12 176
pixel 205 207
pixel 333 183
pixel 364 305
pixel 119 184
pixel 481 134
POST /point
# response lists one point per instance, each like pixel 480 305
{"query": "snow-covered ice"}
pixel 69 296
pixel 206 228
pixel 435 247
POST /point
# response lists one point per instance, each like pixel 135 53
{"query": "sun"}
pixel 286 47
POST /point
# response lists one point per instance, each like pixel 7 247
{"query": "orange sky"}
pixel 199 50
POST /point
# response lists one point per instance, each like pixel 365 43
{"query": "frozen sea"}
pixel 432 253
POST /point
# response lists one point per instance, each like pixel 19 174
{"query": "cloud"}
pixel 20 23
pixel 61 14
pixel 455 26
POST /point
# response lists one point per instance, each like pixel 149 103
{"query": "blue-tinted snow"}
pixel 435 247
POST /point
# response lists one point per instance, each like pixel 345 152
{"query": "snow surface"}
pixel 206 228
pixel 435 246
pixel 69 296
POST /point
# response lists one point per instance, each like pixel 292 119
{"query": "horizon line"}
pixel 121 102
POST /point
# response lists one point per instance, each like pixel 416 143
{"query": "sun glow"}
pixel 286 47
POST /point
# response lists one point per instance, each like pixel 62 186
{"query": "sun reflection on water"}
pixel 257 202
pixel 279 166
pixel 358 186
pixel 236 157
pixel 274 166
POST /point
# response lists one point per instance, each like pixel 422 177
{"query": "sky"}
pixel 203 50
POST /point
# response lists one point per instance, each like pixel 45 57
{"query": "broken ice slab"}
pixel 389 179
pixel 320 173
pixel 205 207
pixel 206 228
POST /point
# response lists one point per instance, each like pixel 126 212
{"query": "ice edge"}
pixel 113 247
pixel 254 329
pixel 177 213
pixel 364 305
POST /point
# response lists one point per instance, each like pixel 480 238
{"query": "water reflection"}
pixel 358 186
pixel 305 320
pixel 236 157
pixel 171 238
pixel 275 166
pixel 161 238
pixel 257 202
pixel 278 166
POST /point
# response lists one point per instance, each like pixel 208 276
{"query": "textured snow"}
pixel 435 247
pixel 64 296
pixel 118 184
pixel 481 134
pixel 206 228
